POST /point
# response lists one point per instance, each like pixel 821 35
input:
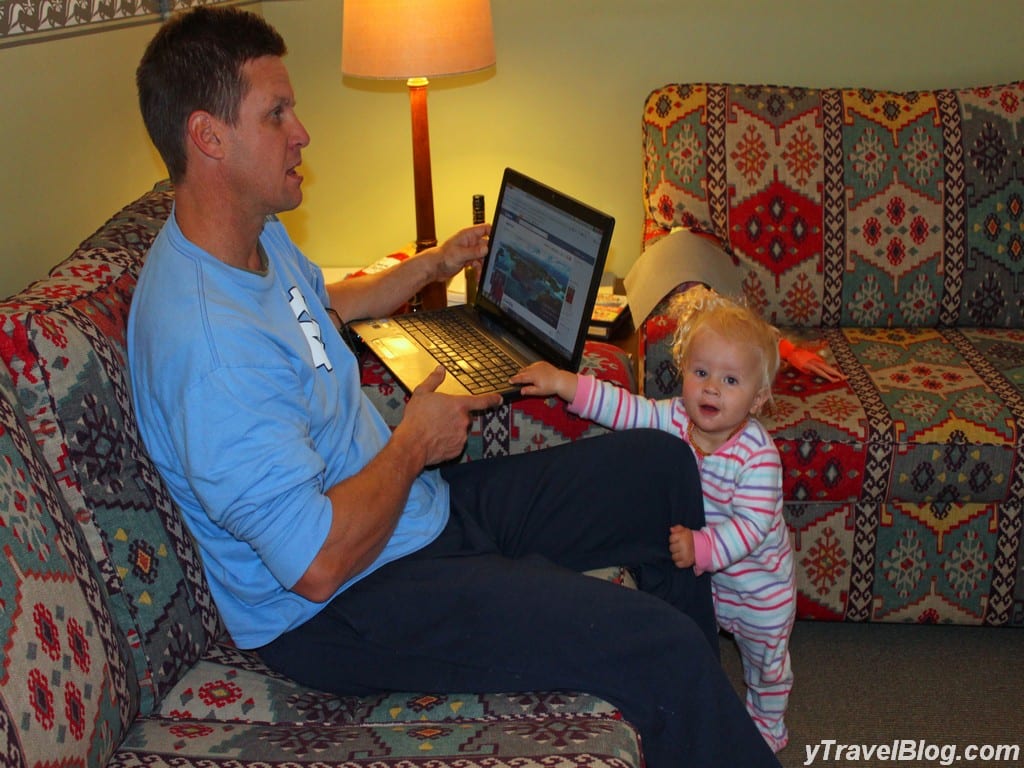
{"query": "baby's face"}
pixel 723 384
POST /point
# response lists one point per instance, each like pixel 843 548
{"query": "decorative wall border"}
pixel 30 21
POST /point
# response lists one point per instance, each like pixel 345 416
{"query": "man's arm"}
pixel 366 506
pixel 378 294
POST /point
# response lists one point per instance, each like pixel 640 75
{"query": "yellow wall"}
pixel 73 147
pixel 562 104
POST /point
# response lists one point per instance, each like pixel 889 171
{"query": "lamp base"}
pixel 431 296
pixel 434 295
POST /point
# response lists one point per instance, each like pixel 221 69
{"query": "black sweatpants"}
pixel 497 602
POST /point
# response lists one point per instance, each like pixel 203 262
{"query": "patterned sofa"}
pixel 112 650
pixel 886 229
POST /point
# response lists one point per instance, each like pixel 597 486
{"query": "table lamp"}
pixel 414 40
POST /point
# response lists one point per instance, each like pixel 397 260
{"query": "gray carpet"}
pixel 867 684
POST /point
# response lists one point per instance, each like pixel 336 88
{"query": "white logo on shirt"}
pixel 310 327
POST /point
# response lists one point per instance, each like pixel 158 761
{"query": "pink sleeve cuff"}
pixel 585 385
pixel 701 551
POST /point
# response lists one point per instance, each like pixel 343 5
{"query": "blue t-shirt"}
pixel 250 405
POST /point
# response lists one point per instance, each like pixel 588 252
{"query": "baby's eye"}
pixel 732 381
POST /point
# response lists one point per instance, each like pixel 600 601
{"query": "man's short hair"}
pixel 194 62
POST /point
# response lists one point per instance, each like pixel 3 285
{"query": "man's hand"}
pixel 366 506
pixel 437 423
pixel 467 246
pixel 381 293
pixel 542 378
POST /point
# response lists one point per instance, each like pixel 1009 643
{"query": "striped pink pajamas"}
pixel 744 545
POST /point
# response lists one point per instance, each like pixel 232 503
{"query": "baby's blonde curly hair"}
pixel 700 307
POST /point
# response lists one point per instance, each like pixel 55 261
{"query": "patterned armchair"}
pixel 886 230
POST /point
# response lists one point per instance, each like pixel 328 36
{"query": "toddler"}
pixel 727 358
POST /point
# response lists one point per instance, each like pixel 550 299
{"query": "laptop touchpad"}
pixel 394 346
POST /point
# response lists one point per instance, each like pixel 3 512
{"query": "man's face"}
pixel 264 149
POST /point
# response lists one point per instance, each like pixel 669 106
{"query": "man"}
pixel 337 548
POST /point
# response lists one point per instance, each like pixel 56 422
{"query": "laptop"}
pixel 534 298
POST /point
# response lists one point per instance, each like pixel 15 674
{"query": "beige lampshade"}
pixel 402 39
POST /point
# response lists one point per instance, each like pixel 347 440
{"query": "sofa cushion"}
pixel 234 685
pixel 63 341
pixel 230 703
pixel 531 741
pixel 68 691
pixel 849 207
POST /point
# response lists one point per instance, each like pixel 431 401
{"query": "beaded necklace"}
pixel 701 453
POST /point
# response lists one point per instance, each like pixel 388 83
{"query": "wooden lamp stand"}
pixel 434 295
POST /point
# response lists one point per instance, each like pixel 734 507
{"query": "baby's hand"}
pixel 544 379
pixel 680 545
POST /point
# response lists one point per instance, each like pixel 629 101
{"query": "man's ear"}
pixel 204 131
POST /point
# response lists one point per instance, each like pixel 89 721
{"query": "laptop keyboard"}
pixel 475 361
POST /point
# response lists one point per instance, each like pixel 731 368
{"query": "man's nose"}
pixel 301 136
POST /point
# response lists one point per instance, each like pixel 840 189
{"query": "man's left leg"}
pixel 603 501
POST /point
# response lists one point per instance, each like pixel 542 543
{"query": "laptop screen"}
pixel 545 260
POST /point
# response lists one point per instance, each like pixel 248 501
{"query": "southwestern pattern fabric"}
pixel 850 208
pixel 63 343
pixel 230 704
pixel 68 687
pixel 887 230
